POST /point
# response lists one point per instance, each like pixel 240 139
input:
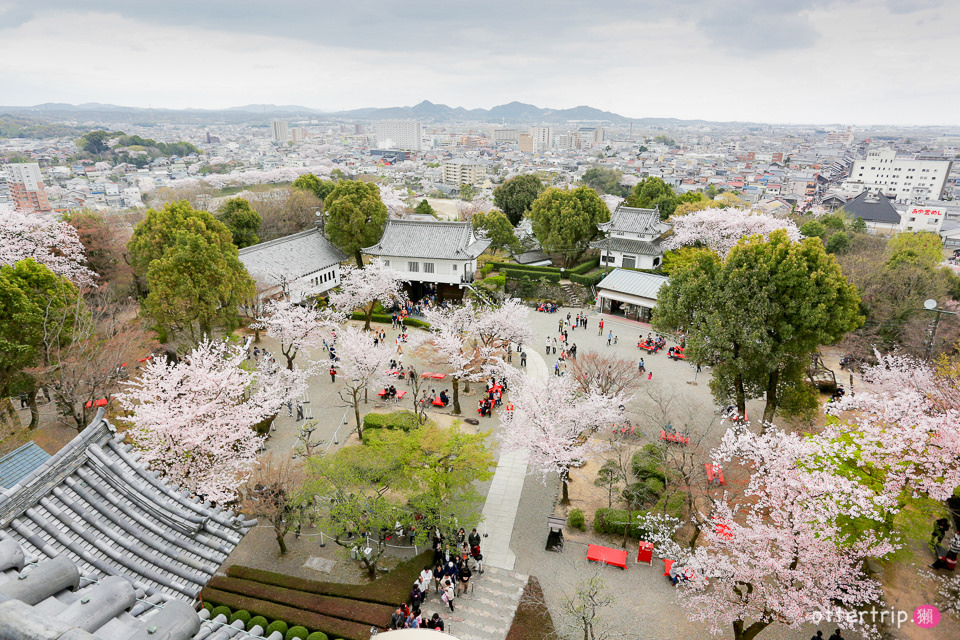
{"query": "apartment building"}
pixel 462 171
pixel 399 134
pixel 279 130
pixel 26 187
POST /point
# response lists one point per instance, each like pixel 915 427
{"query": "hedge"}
pixel 296 633
pixel 336 607
pixel 587 281
pixel 613 521
pixel 585 267
pixel 336 627
pixel 379 317
pixel 389 589
pixel 257 621
pixel 496 281
pixel 404 420
pixel 317 635
pixel 518 274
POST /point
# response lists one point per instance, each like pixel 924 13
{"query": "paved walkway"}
pixel 486 613
pixel 503 499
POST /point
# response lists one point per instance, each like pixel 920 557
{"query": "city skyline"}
pixel 857 62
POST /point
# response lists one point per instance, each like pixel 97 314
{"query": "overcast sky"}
pixel 793 61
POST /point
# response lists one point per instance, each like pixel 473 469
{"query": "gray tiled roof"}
pixel 439 240
pixel 290 257
pixel 634 283
pixel 872 207
pixel 94 507
pixel 634 220
pixel 629 245
pixel 19 462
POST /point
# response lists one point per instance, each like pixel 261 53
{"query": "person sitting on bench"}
pixel 444 398
pixel 392 392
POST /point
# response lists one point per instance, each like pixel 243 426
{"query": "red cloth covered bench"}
pixel 714 474
pixel 606 555
pixel 437 402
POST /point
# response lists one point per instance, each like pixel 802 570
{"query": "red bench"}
pixel 606 555
pixel 714 474
pixel 674 437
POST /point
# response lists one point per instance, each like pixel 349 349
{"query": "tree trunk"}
pixel 359 257
pixel 741 396
pixel 356 414
pixel 751 632
pixel 369 314
pixel 34 409
pixel 9 420
pixel 773 399
pixel 456 396
pixel 256 334
pixel 281 543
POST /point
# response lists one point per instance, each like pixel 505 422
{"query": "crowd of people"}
pixel 448 576
pixel 562 342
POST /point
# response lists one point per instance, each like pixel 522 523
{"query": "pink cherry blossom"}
pixel 721 229
pixel 360 288
pixel 193 421
pixel 297 327
pixel 49 242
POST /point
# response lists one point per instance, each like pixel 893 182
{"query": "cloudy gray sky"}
pixel 824 61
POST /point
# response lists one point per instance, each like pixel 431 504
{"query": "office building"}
pixel 904 178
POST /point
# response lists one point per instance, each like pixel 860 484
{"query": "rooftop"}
pixel 428 239
pixel 20 462
pixel 635 220
pixel 872 207
pixel 634 283
pixel 290 257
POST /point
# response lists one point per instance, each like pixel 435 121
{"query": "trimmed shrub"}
pixel 645 464
pixel 386 318
pixel 336 627
pixel 577 520
pixel 296 633
pixel 317 635
pixel 614 520
pixel 208 606
pixel 257 621
pixel 276 625
pixel 585 267
pixel 221 611
pixel 242 615
pixel 496 281
pixel 404 420
pixel 486 269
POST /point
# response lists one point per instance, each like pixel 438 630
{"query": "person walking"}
pixel 609 338
pixel 449 592
pixel 548 346
pixel 333 374
pixel 641 367
pixel 299 411
pixel 940 528
pixel 523 358
pixel 600 332
pixel 819 636
pixel 836 635
pixel 554 346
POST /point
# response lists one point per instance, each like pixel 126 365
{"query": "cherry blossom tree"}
pixel 363 365
pixel 782 554
pixel 905 426
pixel 553 420
pixel 364 288
pixel 394 199
pixel 721 229
pixel 51 243
pixel 473 340
pixel 193 420
pixel 296 326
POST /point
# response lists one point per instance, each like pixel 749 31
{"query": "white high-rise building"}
pixel 906 179
pixel 399 134
pixel 542 138
pixel 280 132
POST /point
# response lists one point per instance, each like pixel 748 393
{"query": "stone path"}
pixel 503 499
pixel 486 613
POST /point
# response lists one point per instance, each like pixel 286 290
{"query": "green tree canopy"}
pixel 813 229
pixel 424 209
pixel 564 221
pixel 192 269
pixel 653 192
pixel 95 142
pixel 838 242
pixel 355 216
pixel 242 220
pixel 38 309
pixel 313 184
pixel 604 180
pixel 467 192
pixel 923 248
pixel 759 315
pixel 515 196
pixel 497 228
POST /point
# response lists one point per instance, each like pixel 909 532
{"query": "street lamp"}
pixel 931 305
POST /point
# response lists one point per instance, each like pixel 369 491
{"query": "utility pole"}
pixel 931 305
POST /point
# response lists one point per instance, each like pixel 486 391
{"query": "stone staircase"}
pixel 486 613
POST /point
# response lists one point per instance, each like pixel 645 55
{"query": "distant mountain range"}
pixel 426 111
